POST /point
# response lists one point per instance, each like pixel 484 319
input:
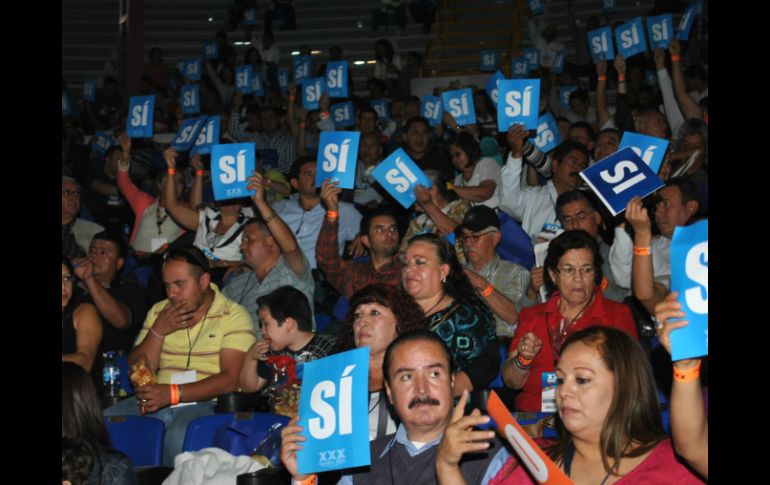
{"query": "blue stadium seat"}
pixel 236 433
pixel 498 381
pixel 515 245
pixel 139 437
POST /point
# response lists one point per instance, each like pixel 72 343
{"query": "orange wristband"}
pixel 621 77
pixel 488 290
pixel 332 214
pixel 602 78
pixel 171 171
pixel 523 361
pixel 199 173
pixel 687 375
pixel 642 250
pixel 325 114
pixel 311 480
pixel 676 58
pixel 174 393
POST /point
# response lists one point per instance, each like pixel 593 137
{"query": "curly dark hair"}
pixel 457 284
pixel 408 314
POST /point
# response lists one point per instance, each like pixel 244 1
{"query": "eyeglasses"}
pixel 569 271
pixel 383 229
pixel 71 193
pixel 474 237
pixel 575 219
pixel 188 255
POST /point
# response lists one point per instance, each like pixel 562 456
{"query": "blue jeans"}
pixel 175 419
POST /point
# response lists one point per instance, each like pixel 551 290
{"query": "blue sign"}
pixel 258 83
pixel 690 278
pixel 519 102
pixel 312 89
pixel 141 111
pixel 342 114
pixel 519 67
pixel 210 50
pixel 381 107
pixel 651 78
pixel 432 110
pixel 533 57
pixel 398 174
pixel 619 177
pixel 208 136
pixel 459 103
pixel 191 69
pixel 187 133
pixel 66 105
pixel 600 43
pixel 333 412
pixel 283 79
pixel 488 61
pixel 685 24
pixel 548 136
pixel 492 88
pixel 558 61
pixel 697 6
pixel 650 149
pixel 102 142
pixel 190 98
pixel 231 164
pixel 609 5
pixel 89 90
pixel 630 38
pixel 250 16
pixel 564 93
pixel 536 6
pixel 301 66
pixel 243 79
pixel 660 30
pixel 337 156
pixel 337 79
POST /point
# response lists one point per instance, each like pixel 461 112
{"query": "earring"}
pixel 443 279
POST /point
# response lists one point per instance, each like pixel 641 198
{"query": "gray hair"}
pixel 71 180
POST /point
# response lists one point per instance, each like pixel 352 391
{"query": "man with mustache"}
pixel 536 206
pixel 379 234
pixel 431 438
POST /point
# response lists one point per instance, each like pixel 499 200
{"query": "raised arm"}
pixel 673 115
pixel 291 112
pixel 602 113
pixel 689 107
pixel 623 119
pixel 183 215
pixel 444 223
pixel 512 198
pixel 115 312
pixel 327 254
pixel 196 194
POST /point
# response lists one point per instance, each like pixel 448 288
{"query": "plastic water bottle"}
pixel 111 375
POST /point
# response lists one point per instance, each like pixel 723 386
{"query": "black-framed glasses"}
pixel 576 219
pixel 474 237
pixel 188 254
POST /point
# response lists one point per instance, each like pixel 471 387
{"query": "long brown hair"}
pixel 81 411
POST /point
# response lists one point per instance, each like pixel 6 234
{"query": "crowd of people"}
pixel 219 296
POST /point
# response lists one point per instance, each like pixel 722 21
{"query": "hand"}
pixel 674 48
pixel 460 437
pixel 601 66
pixel 422 194
pixel 357 248
pixel 174 316
pixel 660 58
pixel 477 280
pixel 529 346
pixel 84 269
pixel 636 215
pixel 170 156
pixel 665 169
pixel 516 136
pixel 125 142
pixel 195 162
pixel 323 103
pixel 448 119
pixel 292 90
pixel 330 195
pixel 290 444
pixel 153 397
pixel 620 64
pixel 259 350
pixel 537 278
pixel 665 311
pixel 257 183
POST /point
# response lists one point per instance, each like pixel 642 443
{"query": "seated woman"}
pixel 82 422
pixel 218 231
pixel 479 179
pixel 574 267
pixel 608 408
pixel 376 316
pixel 81 327
pixel 455 311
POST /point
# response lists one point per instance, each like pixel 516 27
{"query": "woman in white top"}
pixel 479 179
pixel 388 66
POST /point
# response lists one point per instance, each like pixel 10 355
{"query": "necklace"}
pixel 558 339
pixel 190 342
pixel 427 312
pixel 160 220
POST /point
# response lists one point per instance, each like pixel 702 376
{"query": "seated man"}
pixel 76 233
pixel 418 381
pixel 288 340
pixel 196 340
pixel 502 283
pixel 120 301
